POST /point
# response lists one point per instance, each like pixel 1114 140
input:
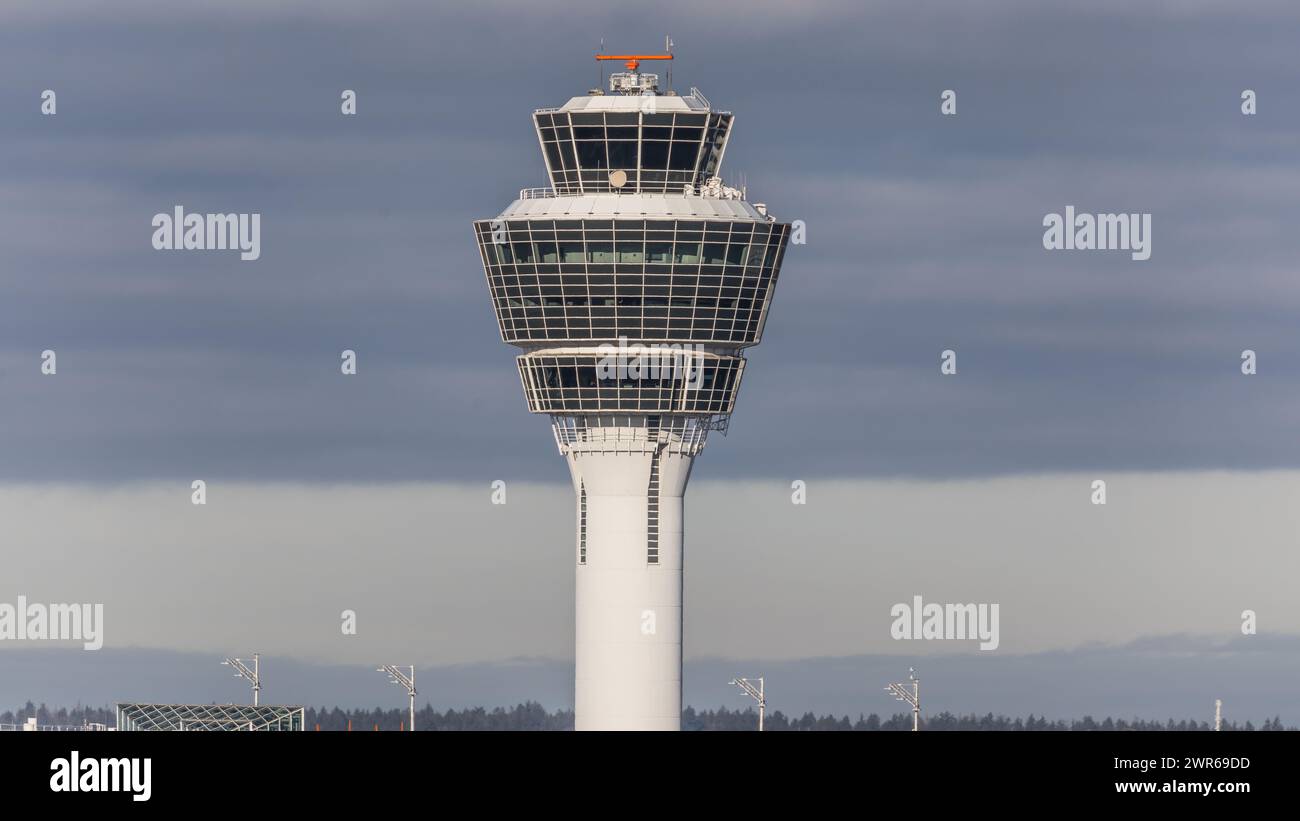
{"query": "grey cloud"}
pixel 924 234
pixel 437 572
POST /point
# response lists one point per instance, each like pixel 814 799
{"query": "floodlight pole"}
pixel 900 692
pixel 399 678
pixel 1218 714
pixel 755 693
pixel 242 671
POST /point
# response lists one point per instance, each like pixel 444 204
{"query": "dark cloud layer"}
pixel 924 234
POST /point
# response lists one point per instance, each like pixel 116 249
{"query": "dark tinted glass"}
pixel 553 156
pixel 654 155
pixel 683 156
pixel 622 154
pixel 591 155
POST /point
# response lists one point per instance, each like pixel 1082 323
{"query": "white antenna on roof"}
pixel 668 49
pixel 600 67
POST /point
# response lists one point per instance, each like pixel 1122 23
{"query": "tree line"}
pixel 533 716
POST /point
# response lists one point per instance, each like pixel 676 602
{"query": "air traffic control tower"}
pixel 631 285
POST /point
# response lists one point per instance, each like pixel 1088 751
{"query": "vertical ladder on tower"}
pixel 652 511
pixel 582 523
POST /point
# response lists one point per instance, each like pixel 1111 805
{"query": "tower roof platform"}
pixel 540 204
pixel 663 103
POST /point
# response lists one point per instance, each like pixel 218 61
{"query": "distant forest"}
pixel 533 716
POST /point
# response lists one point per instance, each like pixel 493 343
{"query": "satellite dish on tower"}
pixel 617 179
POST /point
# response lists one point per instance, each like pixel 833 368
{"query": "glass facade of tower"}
pixel 646 382
pixel 705 281
pixel 636 241
pixel 659 152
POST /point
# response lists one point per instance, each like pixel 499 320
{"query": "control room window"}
pixel 622 154
pixel 683 156
pixel 591 154
pixel 654 155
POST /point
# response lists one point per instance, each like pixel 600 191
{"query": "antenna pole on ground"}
pixel 900 692
pixel 756 693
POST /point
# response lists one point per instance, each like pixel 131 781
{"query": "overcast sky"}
pixel 924 234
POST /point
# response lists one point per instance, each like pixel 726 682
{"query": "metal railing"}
pixel 53 728
pixel 538 193
pixel 721 191
pixel 694 94
pixel 632 433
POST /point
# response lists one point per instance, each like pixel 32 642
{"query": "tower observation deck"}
pixel 631 285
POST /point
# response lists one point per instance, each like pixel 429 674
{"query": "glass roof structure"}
pixel 210 717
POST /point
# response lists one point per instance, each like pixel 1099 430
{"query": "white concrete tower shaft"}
pixel 628 644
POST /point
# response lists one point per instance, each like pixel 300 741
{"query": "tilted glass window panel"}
pixel 572 252
pixel 654 156
pixel 523 251
pixel 591 155
pixel 659 252
pixel 682 156
pixel 691 135
pixel 553 156
pixel 714 253
pixel 631 252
